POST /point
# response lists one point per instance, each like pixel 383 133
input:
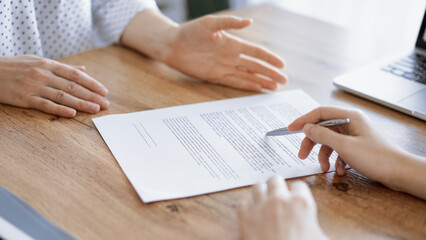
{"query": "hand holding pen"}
pixel 363 147
pixel 358 143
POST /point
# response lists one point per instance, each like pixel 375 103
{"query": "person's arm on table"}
pixel 200 48
pixel 362 147
pixel 49 86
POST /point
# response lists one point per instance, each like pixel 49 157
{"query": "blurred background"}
pixel 378 27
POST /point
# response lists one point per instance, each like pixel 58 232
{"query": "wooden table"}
pixel 64 169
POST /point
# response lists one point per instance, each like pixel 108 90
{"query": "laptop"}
pixel 398 82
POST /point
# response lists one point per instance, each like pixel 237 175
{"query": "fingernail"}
pixel 94 108
pixel 291 128
pixel 273 86
pixel 104 91
pixel 72 112
pixel 257 87
pixel 284 78
pixel 105 103
pixel 309 128
pixel 339 171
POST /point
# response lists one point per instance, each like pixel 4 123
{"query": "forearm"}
pixel 150 33
pixel 410 174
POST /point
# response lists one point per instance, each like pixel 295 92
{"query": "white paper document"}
pixel 206 147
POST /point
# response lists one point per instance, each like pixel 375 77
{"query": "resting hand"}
pixel 201 48
pixel 356 143
pixel 49 86
pixel 280 213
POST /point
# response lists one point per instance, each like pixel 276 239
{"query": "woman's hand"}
pixel 49 86
pixel 357 144
pixel 201 48
pixel 279 212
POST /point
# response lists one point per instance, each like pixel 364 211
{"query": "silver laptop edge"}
pixel 366 80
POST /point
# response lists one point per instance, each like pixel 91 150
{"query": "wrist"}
pixel 407 172
pixel 395 176
pixel 151 33
pixel 166 45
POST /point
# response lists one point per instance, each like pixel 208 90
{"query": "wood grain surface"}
pixel 64 169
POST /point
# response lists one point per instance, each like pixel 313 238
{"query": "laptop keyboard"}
pixel 411 67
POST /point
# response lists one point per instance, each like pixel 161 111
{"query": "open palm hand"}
pixel 202 49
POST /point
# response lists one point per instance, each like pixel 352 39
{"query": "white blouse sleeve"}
pixel 110 18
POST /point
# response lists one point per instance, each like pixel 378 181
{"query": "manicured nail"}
pixel 308 129
pixel 104 91
pixel 339 167
pixel 339 171
pixel 273 86
pixel 257 87
pixel 71 112
pixel 94 108
pixel 104 103
pixel 323 168
pixel 284 78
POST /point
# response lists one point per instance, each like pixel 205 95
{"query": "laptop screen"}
pixel 421 39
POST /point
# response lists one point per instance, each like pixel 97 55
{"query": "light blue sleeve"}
pixel 110 18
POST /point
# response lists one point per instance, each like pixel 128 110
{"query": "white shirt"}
pixel 57 28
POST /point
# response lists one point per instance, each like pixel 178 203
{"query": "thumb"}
pixel 218 23
pixel 323 135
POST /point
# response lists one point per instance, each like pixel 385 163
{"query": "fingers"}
pixel 259 192
pixel 277 187
pixel 63 98
pixel 217 23
pixel 81 78
pixel 265 83
pixel 43 88
pixel 299 188
pixel 50 107
pixel 340 166
pixel 240 83
pixel 324 157
pixel 322 135
pixel 257 67
pixel 319 114
pixel 242 209
pixel 261 53
pixel 306 148
pixel 242 212
pixel 78 91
